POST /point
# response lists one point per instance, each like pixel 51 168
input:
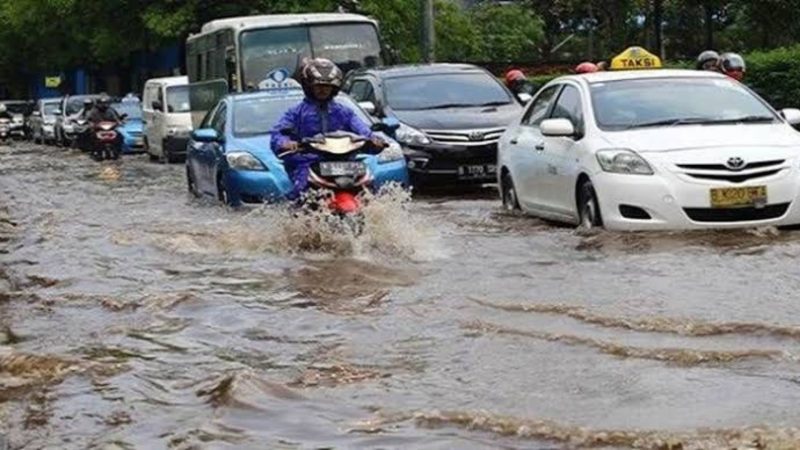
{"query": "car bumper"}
pixel 677 204
pixel 175 145
pixel 390 172
pixel 132 144
pixel 447 165
pixel 255 186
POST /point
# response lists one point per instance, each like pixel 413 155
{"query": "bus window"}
pixel 349 45
pixel 265 50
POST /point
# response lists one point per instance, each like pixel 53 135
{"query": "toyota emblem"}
pixel 476 136
pixel 735 163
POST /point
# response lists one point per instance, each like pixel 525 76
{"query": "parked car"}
pixel 19 110
pixel 167 118
pixel 43 120
pixel 237 165
pixel 653 149
pixel 132 128
pixel 66 128
pixel 451 117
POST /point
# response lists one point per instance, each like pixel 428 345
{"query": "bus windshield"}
pixel 349 45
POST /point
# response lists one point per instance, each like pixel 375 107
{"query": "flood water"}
pixel 133 316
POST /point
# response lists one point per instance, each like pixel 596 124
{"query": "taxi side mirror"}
pixel 368 107
pixel 206 135
pixel 524 97
pixel 557 128
pixel 791 115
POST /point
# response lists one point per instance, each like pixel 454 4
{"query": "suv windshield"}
pixel 178 99
pixel 257 115
pixel 439 91
pixel 629 104
pixel 349 45
pixel 50 108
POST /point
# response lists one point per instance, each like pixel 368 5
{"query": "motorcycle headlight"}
pixel 391 153
pixel 623 161
pixel 243 161
pixel 411 136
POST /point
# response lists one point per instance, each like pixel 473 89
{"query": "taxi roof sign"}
pixel 635 58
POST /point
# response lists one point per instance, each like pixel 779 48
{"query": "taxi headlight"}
pixel 623 161
pixel 411 136
pixel 391 153
pixel 243 161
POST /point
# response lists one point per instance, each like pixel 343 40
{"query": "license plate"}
pixel 342 169
pixel 477 171
pixel 739 197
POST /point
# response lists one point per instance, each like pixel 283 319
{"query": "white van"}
pixel 167 118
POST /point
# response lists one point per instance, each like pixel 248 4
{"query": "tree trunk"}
pixel 658 19
pixel 709 25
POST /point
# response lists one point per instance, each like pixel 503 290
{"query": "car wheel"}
pixel 222 192
pixel 589 207
pixel 509 193
pixel 190 183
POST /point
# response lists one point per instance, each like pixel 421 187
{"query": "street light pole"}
pixel 428 32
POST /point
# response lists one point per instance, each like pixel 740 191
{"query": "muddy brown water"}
pixel 132 316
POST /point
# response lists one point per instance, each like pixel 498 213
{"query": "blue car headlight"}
pixel 391 153
pixel 243 161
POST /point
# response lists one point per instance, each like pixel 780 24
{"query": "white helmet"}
pixel 3 108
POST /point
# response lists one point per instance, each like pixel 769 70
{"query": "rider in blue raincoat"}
pixel 317 114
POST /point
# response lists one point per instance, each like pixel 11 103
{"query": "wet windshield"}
pixel 132 109
pixel 627 104
pixel 178 99
pixel 445 90
pixel 17 108
pixel 348 45
pixel 257 115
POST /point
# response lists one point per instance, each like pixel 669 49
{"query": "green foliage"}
pixel 508 33
pixel 775 75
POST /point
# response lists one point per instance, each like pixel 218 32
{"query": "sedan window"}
pixel 569 107
pixel 539 107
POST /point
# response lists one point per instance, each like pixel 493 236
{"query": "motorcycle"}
pixel 5 131
pixel 107 144
pixel 337 170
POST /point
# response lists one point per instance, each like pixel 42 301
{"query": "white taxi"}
pixel 651 150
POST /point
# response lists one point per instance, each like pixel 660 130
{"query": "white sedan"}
pixel 652 150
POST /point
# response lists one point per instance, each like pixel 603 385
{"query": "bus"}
pixel 237 54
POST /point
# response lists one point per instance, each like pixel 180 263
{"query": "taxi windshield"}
pixel 629 104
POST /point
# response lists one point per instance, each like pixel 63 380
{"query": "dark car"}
pixel 451 116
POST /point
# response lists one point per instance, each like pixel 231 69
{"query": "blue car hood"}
pixel 257 145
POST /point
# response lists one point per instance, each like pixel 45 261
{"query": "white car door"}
pixel 148 114
pixel 560 155
pixel 526 147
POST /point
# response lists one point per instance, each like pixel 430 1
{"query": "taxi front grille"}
pixel 749 214
pixel 734 178
pixel 724 168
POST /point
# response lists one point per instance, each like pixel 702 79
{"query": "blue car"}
pixel 229 155
pixel 132 130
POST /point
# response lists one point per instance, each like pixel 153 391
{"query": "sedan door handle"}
pixel 539 147
pixel 513 142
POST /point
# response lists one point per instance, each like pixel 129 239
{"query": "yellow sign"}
pixel 635 58
pixel 52 82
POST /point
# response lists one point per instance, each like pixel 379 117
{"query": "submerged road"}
pixel 133 316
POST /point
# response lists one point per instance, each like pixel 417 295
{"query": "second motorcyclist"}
pixel 318 113
pixel 103 112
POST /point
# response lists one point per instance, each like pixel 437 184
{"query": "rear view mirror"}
pixel 57 112
pixel 123 117
pixel 388 125
pixel 368 107
pixel 524 97
pixel 206 135
pixel 36 114
pixel 791 115
pixel 157 105
pixel 557 128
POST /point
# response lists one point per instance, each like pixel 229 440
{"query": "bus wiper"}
pixel 672 122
